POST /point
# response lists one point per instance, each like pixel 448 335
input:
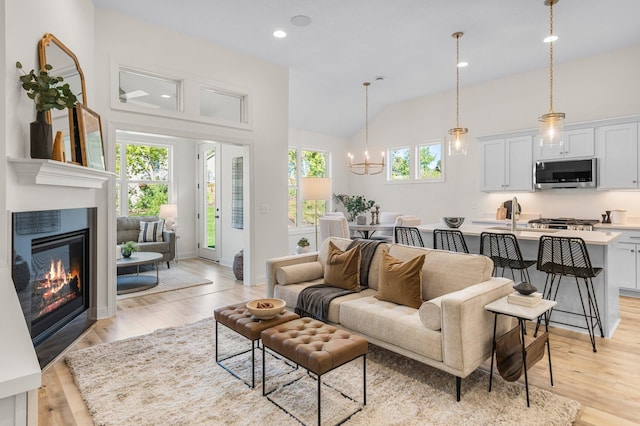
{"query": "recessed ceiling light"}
pixel 300 20
pixel 550 38
pixel 462 64
pixel 165 96
pixel 279 34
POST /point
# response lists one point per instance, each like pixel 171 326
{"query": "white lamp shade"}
pixel 315 188
pixel 168 211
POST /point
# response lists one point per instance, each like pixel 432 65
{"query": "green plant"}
pixel 354 204
pixel 129 247
pixel 46 91
pixel 303 242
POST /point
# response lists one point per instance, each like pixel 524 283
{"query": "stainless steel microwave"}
pixel 565 174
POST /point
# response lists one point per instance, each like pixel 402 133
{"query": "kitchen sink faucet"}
pixel 514 211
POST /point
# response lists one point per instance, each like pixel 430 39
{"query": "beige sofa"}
pixel 451 330
pixel 128 229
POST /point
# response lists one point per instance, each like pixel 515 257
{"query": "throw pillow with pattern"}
pixel 151 231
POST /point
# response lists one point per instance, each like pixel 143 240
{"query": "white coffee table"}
pixel 137 282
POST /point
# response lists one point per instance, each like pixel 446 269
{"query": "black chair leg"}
pixel 168 266
pixel 458 384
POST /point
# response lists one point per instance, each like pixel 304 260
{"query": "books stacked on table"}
pixel 530 300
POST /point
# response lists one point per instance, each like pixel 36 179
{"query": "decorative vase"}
pixel 41 137
pixel 126 254
pixel 301 249
pixel 361 219
pixel 238 266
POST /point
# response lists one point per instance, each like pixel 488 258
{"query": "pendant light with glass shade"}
pixel 457 140
pixel 366 167
pixel 551 124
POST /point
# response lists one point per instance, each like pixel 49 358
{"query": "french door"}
pixel 208 216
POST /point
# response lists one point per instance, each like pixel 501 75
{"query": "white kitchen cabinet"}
pixel 578 143
pixel 507 164
pixel 617 151
pixel 624 261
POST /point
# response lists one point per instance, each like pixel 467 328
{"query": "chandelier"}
pixel 457 140
pixel 366 167
pixel 551 124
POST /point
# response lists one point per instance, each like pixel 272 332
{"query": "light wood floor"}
pixel 606 383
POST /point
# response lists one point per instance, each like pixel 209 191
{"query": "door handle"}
pixel 217 216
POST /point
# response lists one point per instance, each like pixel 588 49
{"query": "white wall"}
pixel 24 24
pixel 599 87
pixel 121 39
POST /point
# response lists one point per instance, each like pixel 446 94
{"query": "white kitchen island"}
pixel 600 247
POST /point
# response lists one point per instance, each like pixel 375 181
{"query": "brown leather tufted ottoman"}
pixel 316 346
pixel 239 319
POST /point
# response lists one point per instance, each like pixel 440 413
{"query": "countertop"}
pixel 602 238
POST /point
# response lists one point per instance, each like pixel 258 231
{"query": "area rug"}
pixel 170 377
pixel 170 279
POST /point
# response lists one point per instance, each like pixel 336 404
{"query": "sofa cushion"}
pixel 299 273
pixel 443 271
pixel 431 314
pixel 343 243
pixel 128 227
pixel 392 323
pixel 343 268
pixel 158 247
pixel 401 282
pixel 289 293
pixel 151 232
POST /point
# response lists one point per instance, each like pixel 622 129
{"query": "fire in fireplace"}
pixel 52 272
pixel 57 296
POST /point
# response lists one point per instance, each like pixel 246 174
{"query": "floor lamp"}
pixel 169 212
pixel 315 188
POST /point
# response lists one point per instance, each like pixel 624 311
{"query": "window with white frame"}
pixel 148 90
pixel 143 177
pixel 222 104
pixel 421 162
pixel 429 161
pixel 399 164
pixel 305 163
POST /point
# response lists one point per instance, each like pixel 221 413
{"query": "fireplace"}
pixel 52 272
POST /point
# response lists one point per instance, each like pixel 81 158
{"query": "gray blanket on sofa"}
pixel 314 300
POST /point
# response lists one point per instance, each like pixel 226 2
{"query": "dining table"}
pixel 368 230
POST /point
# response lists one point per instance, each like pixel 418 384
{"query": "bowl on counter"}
pixel 453 222
pixel 266 308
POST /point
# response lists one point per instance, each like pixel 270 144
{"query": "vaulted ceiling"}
pixel 408 42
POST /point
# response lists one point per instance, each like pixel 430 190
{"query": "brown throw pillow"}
pixel 401 282
pixel 343 268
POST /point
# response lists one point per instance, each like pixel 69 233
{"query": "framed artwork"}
pixel 72 152
pixel 90 136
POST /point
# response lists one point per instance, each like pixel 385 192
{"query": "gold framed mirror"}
pixel 65 63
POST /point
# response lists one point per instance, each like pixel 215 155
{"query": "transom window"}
pixel 305 163
pixel 148 90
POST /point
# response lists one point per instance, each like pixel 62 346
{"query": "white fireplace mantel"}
pixel 51 172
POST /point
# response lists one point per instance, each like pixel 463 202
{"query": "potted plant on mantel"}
pixel 48 93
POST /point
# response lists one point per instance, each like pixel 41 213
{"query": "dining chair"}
pixel 568 257
pixel 408 235
pixel 449 239
pixel 386 218
pixel 333 227
pixel 505 252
